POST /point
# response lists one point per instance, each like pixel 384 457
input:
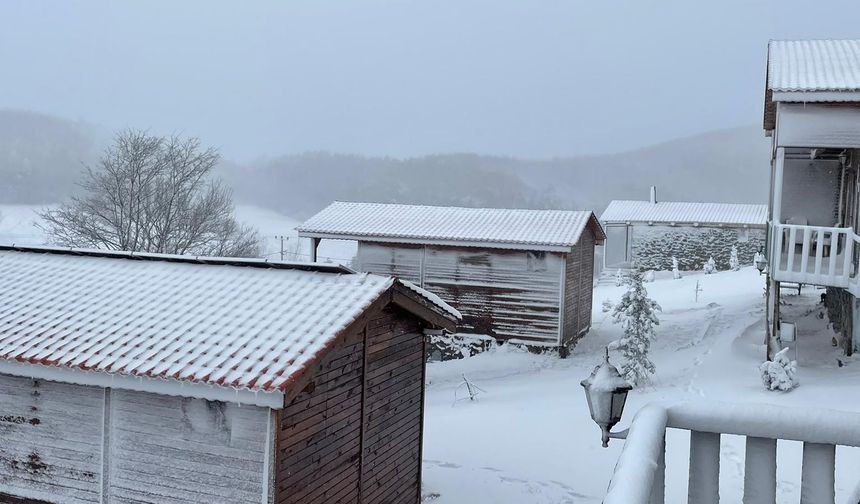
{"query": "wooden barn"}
pixel 520 275
pixel 129 378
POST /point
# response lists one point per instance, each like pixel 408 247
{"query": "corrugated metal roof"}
pixel 685 212
pixel 491 227
pixel 814 65
pixel 234 326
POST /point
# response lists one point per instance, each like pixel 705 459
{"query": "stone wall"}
pixel 654 246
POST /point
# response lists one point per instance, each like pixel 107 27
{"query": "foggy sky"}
pixel 536 78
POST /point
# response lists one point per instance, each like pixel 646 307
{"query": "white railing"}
pixel 639 476
pixel 814 255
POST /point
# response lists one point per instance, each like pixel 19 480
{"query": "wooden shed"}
pixel 514 274
pixel 131 378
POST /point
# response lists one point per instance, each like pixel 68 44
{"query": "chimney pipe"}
pixel 653 195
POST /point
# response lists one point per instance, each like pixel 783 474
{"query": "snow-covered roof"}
pixel 813 65
pixel 479 227
pixel 677 212
pixel 238 324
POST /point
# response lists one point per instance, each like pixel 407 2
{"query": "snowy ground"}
pixel 530 439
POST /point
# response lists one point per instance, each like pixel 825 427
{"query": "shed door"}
pixel 51 441
pixel 616 245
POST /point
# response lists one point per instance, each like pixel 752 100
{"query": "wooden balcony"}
pixel 639 476
pixel 815 255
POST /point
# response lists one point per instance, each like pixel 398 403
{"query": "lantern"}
pixel 606 392
pixel 760 262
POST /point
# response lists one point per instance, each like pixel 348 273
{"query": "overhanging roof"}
pixel 504 228
pixel 679 212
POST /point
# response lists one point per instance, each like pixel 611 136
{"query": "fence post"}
pixel 760 471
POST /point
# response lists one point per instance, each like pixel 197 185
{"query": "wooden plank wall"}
pixel 319 437
pixel 393 410
pixel 171 450
pixel 353 435
pixel 578 289
pixel 403 260
pixel 50 440
pixel 500 293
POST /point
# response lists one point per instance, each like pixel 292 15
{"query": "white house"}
pixel 651 232
pixel 811 114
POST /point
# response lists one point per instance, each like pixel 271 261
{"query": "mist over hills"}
pixel 42 156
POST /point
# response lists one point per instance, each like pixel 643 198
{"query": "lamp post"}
pixel 606 392
pixel 760 262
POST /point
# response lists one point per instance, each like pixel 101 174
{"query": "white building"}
pixel 651 232
pixel 811 113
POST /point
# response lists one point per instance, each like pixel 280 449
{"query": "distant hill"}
pixel 725 165
pixel 42 156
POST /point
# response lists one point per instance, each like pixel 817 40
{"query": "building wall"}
pixel 501 293
pixel 175 450
pixel 578 289
pixel 353 434
pixel 654 246
pixel 158 449
pixel 50 440
pixel 810 192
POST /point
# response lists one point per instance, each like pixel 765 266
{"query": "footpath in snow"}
pixel 529 437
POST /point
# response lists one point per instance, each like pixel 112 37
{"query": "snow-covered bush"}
pixel 637 314
pixel 444 346
pixel 619 278
pixel 607 305
pixel 734 264
pixel 710 266
pixel 676 273
pixel 649 276
pixel 780 373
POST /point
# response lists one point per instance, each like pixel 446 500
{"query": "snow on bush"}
pixel 607 305
pixel 637 314
pixel 734 264
pixel 676 273
pixel 710 266
pixel 649 276
pixel 780 373
pixel 446 346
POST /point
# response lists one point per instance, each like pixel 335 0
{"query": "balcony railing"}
pixel 815 255
pixel 639 476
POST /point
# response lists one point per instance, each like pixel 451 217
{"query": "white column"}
pixel 779 169
pixel 704 487
pixel 760 471
pixel 817 477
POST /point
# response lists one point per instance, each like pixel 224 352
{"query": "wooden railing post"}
pixel 804 250
pixel 760 471
pixel 704 486
pixel 817 477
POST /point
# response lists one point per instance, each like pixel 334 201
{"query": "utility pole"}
pixel 281 237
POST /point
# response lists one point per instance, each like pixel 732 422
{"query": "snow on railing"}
pixel 814 255
pixel 639 476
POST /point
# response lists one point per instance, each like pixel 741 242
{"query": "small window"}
pixel 536 261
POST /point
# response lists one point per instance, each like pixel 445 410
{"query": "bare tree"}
pixel 153 194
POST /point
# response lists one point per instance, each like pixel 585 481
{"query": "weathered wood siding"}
pixel 159 449
pixel 353 434
pixel 319 437
pixel 501 293
pixel 50 440
pixel 578 289
pixel 393 410
pixel 402 260
pixel 171 450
